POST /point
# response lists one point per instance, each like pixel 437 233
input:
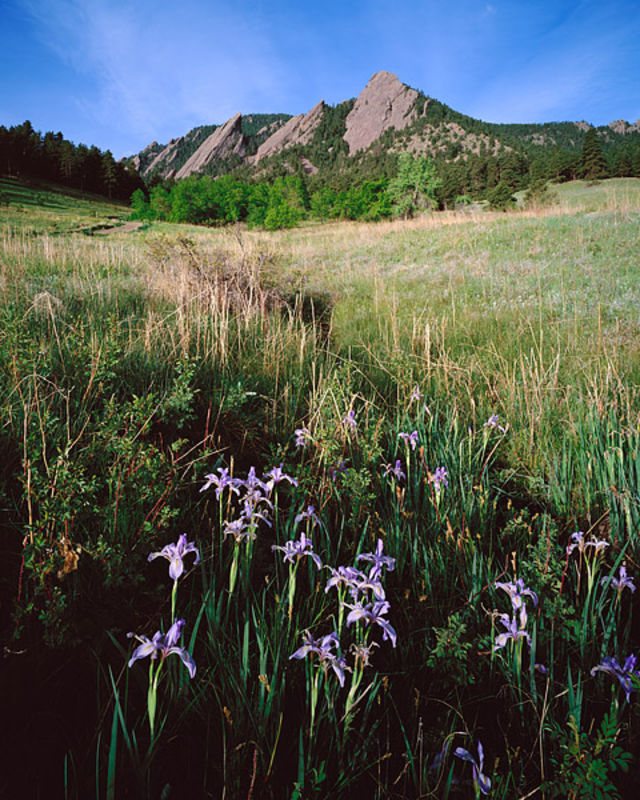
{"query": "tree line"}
pixel 26 153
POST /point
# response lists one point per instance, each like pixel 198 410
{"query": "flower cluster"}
pixel 516 625
pixel 349 422
pixel 369 607
pixel 578 542
pixel 439 479
pixel 294 551
pixel 254 496
pixel 410 439
pixel 301 437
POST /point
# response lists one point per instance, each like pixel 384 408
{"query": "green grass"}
pixel 135 363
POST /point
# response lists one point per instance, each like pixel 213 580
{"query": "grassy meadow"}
pixel 454 403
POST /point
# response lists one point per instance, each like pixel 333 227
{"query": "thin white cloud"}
pixel 156 65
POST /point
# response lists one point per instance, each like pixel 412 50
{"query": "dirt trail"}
pixel 126 227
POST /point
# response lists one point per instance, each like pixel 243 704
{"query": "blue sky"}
pixel 121 73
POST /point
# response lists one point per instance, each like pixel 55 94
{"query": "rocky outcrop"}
pixel 163 161
pixel 623 127
pixel 298 130
pixel 225 141
pixel 384 103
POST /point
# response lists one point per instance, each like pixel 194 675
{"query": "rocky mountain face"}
pixel 227 140
pixel 384 103
pixel 298 130
pixel 387 116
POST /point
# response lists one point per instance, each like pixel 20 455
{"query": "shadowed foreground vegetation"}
pixel 454 400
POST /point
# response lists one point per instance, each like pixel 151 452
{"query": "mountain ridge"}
pixel 387 116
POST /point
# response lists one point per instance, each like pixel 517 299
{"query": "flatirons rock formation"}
pixel 383 103
pixel 327 136
pixel 224 141
pixel 298 130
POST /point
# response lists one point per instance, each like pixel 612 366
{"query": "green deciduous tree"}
pixel 415 185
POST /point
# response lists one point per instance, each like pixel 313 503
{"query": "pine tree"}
pixel 594 164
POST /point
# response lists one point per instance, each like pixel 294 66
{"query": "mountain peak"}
pixel 384 103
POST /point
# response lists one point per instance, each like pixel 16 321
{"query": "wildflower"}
pixel 349 421
pixel 492 422
pixel 163 645
pixel 625 674
pixel 410 439
pixel 175 553
pixel 250 512
pixel 416 395
pixel 394 472
pixel 541 669
pixel 516 591
pixel 514 629
pixel 439 479
pixel 577 541
pixel 276 476
pixel 221 482
pixel 379 561
pixel 621 582
pixel 240 530
pixel 356 581
pixel 309 514
pixel 252 483
pixel 480 780
pixel 302 435
pixel 323 648
pixel 294 551
pixel 362 652
pixel 373 613
pixel 338 468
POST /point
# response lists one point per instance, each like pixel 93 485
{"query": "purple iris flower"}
pixel 492 422
pixel 302 436
pixel 379 561
pixel 356 581
pixel 309 514
pixel 250 512
pixel 252 483
pixel 294 551
pixel 221 482
pixel 373 613
pixel 323 648
pixel 337 469
pixel 276 476
pixel 240 530
pixel 440 479
pixel 175 553
pixel 349 421
pixel 394 472
pixel 516 592
pixel 624 674
pixel 577 541
pixel 479 778
pixel 620 583
pixel 163 645
pixel 410 439
pixel 416 395
pixel 515 629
